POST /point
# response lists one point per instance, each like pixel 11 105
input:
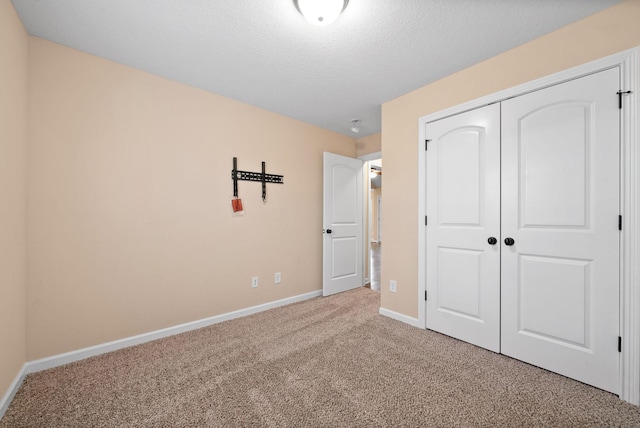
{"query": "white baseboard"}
pixel 11 392
pixel 81 354
pixel 400 317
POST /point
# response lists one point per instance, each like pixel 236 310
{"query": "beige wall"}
pixel 369 144
pixel 608 32
pixel 129 202
pixel 13 147
pixel 129 224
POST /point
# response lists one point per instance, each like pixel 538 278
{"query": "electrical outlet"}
pixel 254 281
pixel 393 285
pixel 277 278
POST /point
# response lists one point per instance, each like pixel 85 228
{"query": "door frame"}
pixel 628 61
pixel 379 218
pixel 366 245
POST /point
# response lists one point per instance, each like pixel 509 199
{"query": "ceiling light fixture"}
pixel 355 125
pixel 320 12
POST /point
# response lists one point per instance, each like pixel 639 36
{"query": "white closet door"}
pixel 560 205
pixel 463 210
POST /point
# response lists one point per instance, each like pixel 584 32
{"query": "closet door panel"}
pixel 463 200
pixel 555 175
pixel 560 204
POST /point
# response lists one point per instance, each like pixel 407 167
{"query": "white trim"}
pixel 92 351
pixel 401 317
pixel 572 73
pixel 422 231
pixel 630 245
pixel 379 218
pixel 366 244
pixel 11 392
pixel 628 61
pixel 371 156
pixel 81 354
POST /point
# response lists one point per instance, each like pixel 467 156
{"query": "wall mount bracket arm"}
pixel 263 177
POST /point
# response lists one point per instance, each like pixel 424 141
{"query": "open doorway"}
pixel 374 203
pixel 372 224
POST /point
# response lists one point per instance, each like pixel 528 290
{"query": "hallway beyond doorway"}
pixel 374 258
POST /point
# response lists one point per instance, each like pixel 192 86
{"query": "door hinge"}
pixel 619 344
pixel 619 222
pixel 425 295
pixel 425 220
pixel 620 94
pixel 426 144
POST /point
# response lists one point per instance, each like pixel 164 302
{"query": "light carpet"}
pixel 329 361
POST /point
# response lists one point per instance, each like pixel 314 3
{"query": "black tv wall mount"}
pixel 263 177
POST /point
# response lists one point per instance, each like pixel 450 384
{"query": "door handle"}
pixel 509 241
pixel 492 241
pixel 329 231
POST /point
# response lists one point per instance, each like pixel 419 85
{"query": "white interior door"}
pixel 560 205
pixel 463 212
pixel 342 224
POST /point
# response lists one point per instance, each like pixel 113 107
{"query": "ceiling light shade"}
pixel 355 125
pixel 320 12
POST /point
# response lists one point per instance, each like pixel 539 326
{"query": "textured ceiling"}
pixel 262 52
